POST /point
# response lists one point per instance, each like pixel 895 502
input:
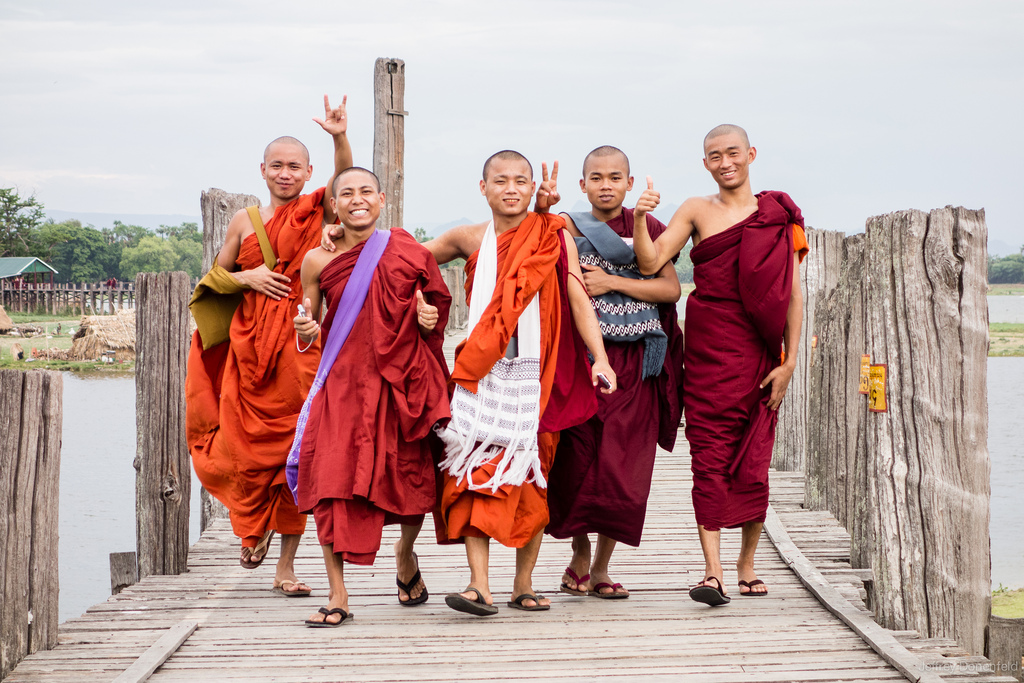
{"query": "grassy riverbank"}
pixel 1006 339
pixel 1008 603
pixel 1006 290
pixel 51 340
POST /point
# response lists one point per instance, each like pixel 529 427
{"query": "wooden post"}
pixel 458 314
pixel 1006 647
pixel 389 137
pixel 818 276
pixel 30 403
pixel 163 480
pixel 124 571
pixel 217 207
pixel 911 484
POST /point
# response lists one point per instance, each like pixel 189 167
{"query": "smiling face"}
pixel 727 157
pixel 286 169
pixel 606 181
pixel 508 187
pixel 356 200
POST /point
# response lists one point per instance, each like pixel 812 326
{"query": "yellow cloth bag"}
pixel 218 294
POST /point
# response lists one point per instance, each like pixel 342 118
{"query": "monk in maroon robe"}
pixel 364 459
pixel 601 477
pixel 742 331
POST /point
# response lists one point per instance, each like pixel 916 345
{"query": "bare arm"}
pixel 459 242
pixel 780 376
pixel 652 255
pixel 663 289
pixel 335 122
pixel 585 320
pixel 306 326
pixel 261 278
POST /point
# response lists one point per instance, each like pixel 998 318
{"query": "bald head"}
pixel 506 155
pixel 370 175
pixel 606 151
pixel 286 140
pixel 726 129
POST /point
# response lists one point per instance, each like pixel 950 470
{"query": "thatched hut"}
pixel 5 321
pixel 99 334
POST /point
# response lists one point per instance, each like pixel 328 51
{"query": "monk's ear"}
pixel 706 164
pixel 309 171
pixel 583 185
pixel 483 184
pixel 751 154
pixel 533 188
pixel 263 170
pixel 383 200
pixel 629 184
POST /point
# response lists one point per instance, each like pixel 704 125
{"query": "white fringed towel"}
pixel 504 413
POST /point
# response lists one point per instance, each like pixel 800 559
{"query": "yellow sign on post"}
pixel 876 396
pixel 865 373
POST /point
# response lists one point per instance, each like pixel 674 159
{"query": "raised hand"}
pixel 305 326
pixel 426 315
pixel 335 121
pixel 547 195
pixel 265 281
pixel 648 201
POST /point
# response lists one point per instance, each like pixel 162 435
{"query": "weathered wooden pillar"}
pixel 818 276
pixel 389 137
pixel 163 479
pixel 30 403
pixel 217 207
pixel 458 315
pixel 911 484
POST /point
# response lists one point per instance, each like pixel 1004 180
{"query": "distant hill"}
pixel 435 229
pixel 106 220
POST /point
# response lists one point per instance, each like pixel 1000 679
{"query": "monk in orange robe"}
pixel 742 330
pixel 363 458
pixel 243 396
pixel 499 491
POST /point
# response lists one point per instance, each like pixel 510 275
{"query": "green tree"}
pixel 20 219
pixel 151 255
pixel 81 254
pixel 189 255
pixel 1009 269
pixel 185 231
pixel 684 266
pixel 421 235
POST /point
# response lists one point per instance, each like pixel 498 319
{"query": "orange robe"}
pixel 527 259
pixel 243 397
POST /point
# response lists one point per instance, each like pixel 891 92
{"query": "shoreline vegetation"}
pixel 1008 603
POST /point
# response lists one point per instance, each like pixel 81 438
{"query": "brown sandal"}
pixel 261 549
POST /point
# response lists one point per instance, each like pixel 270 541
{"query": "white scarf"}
pixel 504 414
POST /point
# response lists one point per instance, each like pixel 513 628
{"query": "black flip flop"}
pixel 407 588
pixel 518 603
pixel 710 595
pixel 478 607
pixel 751 593
pixel 345 618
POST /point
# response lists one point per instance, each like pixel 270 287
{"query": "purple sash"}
pixel 352 299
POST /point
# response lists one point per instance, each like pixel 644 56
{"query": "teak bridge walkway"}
pixel 242 631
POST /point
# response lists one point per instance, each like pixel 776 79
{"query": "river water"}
pixel 97 487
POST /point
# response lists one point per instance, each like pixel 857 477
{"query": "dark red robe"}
pixel 365 461
pixel 734 325
pixel 602 473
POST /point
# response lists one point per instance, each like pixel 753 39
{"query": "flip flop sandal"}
pixel 578 579
pixel 345 618
pixel 478 607
pixel 596 593
pixel 710 595
pixel 407 588
pixel 302 593
pixel 752 593
pixel 260 549
pixel 518 603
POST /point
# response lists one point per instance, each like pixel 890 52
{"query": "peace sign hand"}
pixel 547 195
pixel 335 121
pixel 648 201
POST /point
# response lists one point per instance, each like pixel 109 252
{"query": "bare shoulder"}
pixel 570 225
pixel 240 224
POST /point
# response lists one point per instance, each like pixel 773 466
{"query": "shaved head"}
pixel 355 169
pixel 506 155
pixel 286 140
pixel 606 151
pixel 726 129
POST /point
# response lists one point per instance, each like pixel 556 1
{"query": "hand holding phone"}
pixel 604 381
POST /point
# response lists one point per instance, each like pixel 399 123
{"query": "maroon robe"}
pixel 601 477
pixel 735 320
pixel 365 461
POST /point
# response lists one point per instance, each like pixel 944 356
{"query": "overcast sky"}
pixel 856 108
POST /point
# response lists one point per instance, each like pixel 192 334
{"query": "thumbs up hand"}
pixel 426 315
pixel 648 201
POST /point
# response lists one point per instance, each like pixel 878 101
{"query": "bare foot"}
pixel 749 576
pixel 334 603
pixel 407 565
pixel 580 564
pixel 597 578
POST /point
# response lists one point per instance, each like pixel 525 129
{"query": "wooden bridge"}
pixel 243 631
